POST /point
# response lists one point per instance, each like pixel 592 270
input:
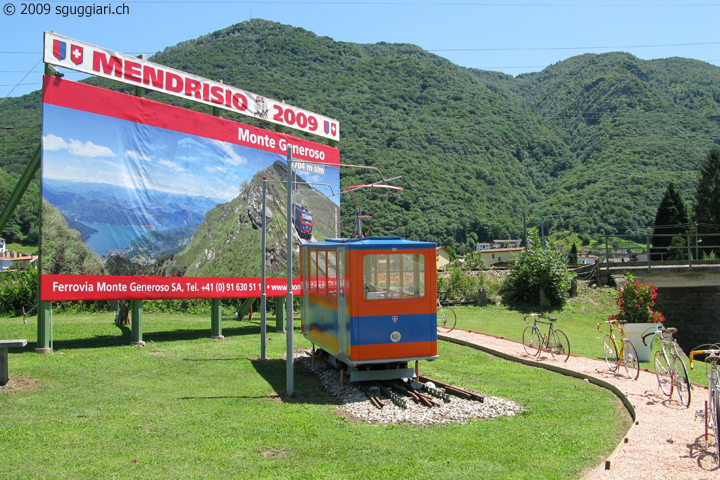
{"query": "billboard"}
pixel 144 200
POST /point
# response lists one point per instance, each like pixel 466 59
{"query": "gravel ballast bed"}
pixel 355 406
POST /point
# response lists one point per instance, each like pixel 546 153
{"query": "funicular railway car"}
pixel 370 304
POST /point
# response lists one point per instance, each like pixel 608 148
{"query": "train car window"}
pixel 332 281
pixel 313 271
pixel 304 270
pixel 413 274
pixel 322 272
pixel 341 273
pixel 394 276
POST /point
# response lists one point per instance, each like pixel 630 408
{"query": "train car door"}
pixel 341 312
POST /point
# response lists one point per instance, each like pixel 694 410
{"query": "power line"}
pixel 528 49
pixel 20 84
pixel 21 80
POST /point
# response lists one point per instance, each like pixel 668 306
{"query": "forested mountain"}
pixel 602 135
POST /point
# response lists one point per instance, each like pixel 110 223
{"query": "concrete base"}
pixel 218 337
pixel 43 350
pixel 138 344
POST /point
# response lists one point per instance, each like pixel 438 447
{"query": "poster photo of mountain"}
pixel 146 200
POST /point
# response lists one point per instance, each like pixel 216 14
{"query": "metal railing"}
pixel 698 248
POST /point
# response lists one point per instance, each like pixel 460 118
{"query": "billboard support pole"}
pixel 216 319
pixel 279 315
pixel 136 322
pixel 215 303
pixel 289 353
pixel 43 328
pixel 263 295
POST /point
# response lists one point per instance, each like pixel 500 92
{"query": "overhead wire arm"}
pixel 357 231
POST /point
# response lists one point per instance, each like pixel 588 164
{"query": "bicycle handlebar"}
pixel 536 315
pixel 606 321
pixel 713 352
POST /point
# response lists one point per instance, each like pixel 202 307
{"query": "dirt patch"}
pixel 270 453
pixel 20 384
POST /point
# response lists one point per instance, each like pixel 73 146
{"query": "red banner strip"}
pixel 117 287
pixel 87 98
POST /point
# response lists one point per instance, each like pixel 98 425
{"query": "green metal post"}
pixel 20 188
pixel 279 314
pixel 136 322
pixel 216 319
pixel 43 328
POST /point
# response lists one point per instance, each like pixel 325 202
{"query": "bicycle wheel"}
pixel 663 373
pixel 451 318
pixel 682 381
pixel 611 353
pixel 632 364
pixel 532 340
pixel 714 408
pixel 559 345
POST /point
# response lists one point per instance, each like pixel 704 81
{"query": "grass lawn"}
pixel 25 249
pixel 187 406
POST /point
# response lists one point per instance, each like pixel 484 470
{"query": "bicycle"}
pixel 620 352
pixel 446 317
pixel 555 342
pixel 713 357
pixel 670 376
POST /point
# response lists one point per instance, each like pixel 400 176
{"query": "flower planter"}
pixel 635 332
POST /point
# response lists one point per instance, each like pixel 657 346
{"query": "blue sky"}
pixel 513 37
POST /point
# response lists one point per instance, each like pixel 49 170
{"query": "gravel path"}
pixel 666 442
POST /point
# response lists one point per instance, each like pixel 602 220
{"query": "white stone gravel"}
pixel 355 405
pixel 667 440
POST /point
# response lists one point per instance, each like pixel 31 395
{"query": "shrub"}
pixel 473 261
pixel 458 284
pixel 538 269
pixel 18 290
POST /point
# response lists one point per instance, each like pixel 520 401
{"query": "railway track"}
pixel 426 392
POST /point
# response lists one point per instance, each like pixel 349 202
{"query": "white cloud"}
pixel 230 154
pixel 54 143
pixel 172 166
pixel 217 168
pixel 76 147
pixel 88 149
pixel 138 156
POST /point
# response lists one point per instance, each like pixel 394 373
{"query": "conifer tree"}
pixel 707 195
pixel 671 218
pixel 572 256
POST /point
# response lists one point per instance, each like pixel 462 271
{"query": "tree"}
pixel 536 271
pixel 572 256
pixel 707 195
pixel 671 219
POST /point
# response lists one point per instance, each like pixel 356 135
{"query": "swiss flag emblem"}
pixel 76 54
pixel 333 129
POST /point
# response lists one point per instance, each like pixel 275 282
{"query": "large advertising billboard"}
pixel 144 200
